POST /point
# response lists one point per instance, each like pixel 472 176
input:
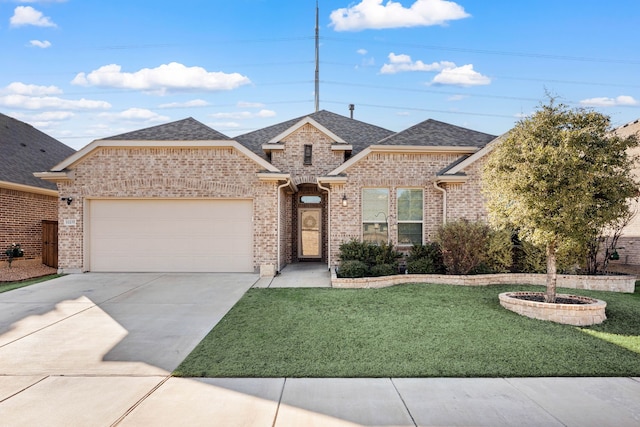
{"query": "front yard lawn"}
pixel 417 330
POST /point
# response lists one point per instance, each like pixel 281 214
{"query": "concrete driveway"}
pixel 112 324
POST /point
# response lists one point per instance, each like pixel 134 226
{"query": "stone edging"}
pixel 591 313
pixel 617 283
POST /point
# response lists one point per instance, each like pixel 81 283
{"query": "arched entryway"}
pixel 309 220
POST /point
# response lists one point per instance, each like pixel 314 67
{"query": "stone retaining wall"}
pixel 591 313
pixel 618 283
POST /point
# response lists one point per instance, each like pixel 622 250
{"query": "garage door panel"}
pixel 171 235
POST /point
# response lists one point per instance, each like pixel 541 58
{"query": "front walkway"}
pixel 299 275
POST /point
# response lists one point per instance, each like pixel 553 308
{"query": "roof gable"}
pixel 300 124
pixel 350 131
pixel 26 150
pixel 435 133
pixel 188 129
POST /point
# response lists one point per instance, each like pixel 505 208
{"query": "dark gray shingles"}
pixel 25 150
pixel 354 132
pixel 434 133
pixel 188 129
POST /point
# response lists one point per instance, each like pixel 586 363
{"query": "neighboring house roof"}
pixel 26 150
pixel 628 129
pixel 353 132
pixel 188 129
pixel 434 133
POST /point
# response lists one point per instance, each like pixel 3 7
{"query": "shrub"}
pixel 353 268
pixel 386 254
pixel 384 270
pixel 500 251
pixel 464 245
pixel 360 251
pixel 421 266
pixel 425 259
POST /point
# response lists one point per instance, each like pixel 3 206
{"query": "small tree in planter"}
pixel 13 251
pixel 560 177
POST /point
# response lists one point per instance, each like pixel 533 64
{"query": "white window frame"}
pixel 379 220
pixel 400 221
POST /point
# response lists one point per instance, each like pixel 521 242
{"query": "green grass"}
pixel 9 286
pixel 410 331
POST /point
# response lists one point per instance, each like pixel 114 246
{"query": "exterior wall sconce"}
pixel 344 200
pixel 67 199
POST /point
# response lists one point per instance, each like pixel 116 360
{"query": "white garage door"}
pixel 170 235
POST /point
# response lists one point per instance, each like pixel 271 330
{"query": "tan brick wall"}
pixel 394 171
pixel 291 159
pixel 465 201
pixel 21 216
pixel 167 173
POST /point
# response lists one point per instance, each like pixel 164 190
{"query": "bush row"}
pixel 460 247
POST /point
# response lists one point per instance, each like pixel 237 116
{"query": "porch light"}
pixel 67 199
pixel 344 200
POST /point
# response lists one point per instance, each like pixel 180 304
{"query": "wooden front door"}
pixel 309 233
pixel 50 243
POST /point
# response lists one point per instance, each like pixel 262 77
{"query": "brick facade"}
pixel 146 170
pixel 166 173
pixel 21 216
pixel 394 171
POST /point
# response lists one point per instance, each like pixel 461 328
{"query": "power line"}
pixel 491 52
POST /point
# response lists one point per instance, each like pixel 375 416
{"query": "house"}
pixel 184 197
pixel 629 242
pixel 26 201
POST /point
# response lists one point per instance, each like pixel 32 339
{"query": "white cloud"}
pixel 41 44
pixel 457 97
pixel 243 115
pixel 171 77
pixel 622 100
pixel 372 14
pixel 461 76
pixel 19 88
pixel 401 63
pixel 245 104
pixel 224 125
pixel 188 104
pixel 53 116
pixel 362 51
pixel 26 15
pixel 50 102
pixel 136 114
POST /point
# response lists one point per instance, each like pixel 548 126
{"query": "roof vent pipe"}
pixel 351 108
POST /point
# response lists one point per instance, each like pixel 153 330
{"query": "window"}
pixel 410 218
pixel 310 199
pixel 375 214
pixel 307 154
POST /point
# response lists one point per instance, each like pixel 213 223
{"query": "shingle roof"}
pixel 628 129
pixel 354 132
pixel 26 150
pixel 188 129
pixel 434 133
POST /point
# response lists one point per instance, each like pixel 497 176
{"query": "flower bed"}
pixel 617 283
pixel 583 311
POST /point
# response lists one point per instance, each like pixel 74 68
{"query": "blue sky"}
pixel 80 70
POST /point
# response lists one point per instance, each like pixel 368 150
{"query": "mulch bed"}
pixel 559 300
pixel 19 271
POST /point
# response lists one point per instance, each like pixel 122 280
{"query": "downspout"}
pixel 280 187
pixel 444 201
pixel 328 190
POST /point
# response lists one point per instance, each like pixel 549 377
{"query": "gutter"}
pixel 280 187
pixel 444 201
pixel 328 190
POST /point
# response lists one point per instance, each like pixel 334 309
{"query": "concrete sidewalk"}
pixel 299 275
pixel 162 401
pixel 98 350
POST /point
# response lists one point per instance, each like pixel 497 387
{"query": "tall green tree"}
pixel 559 177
